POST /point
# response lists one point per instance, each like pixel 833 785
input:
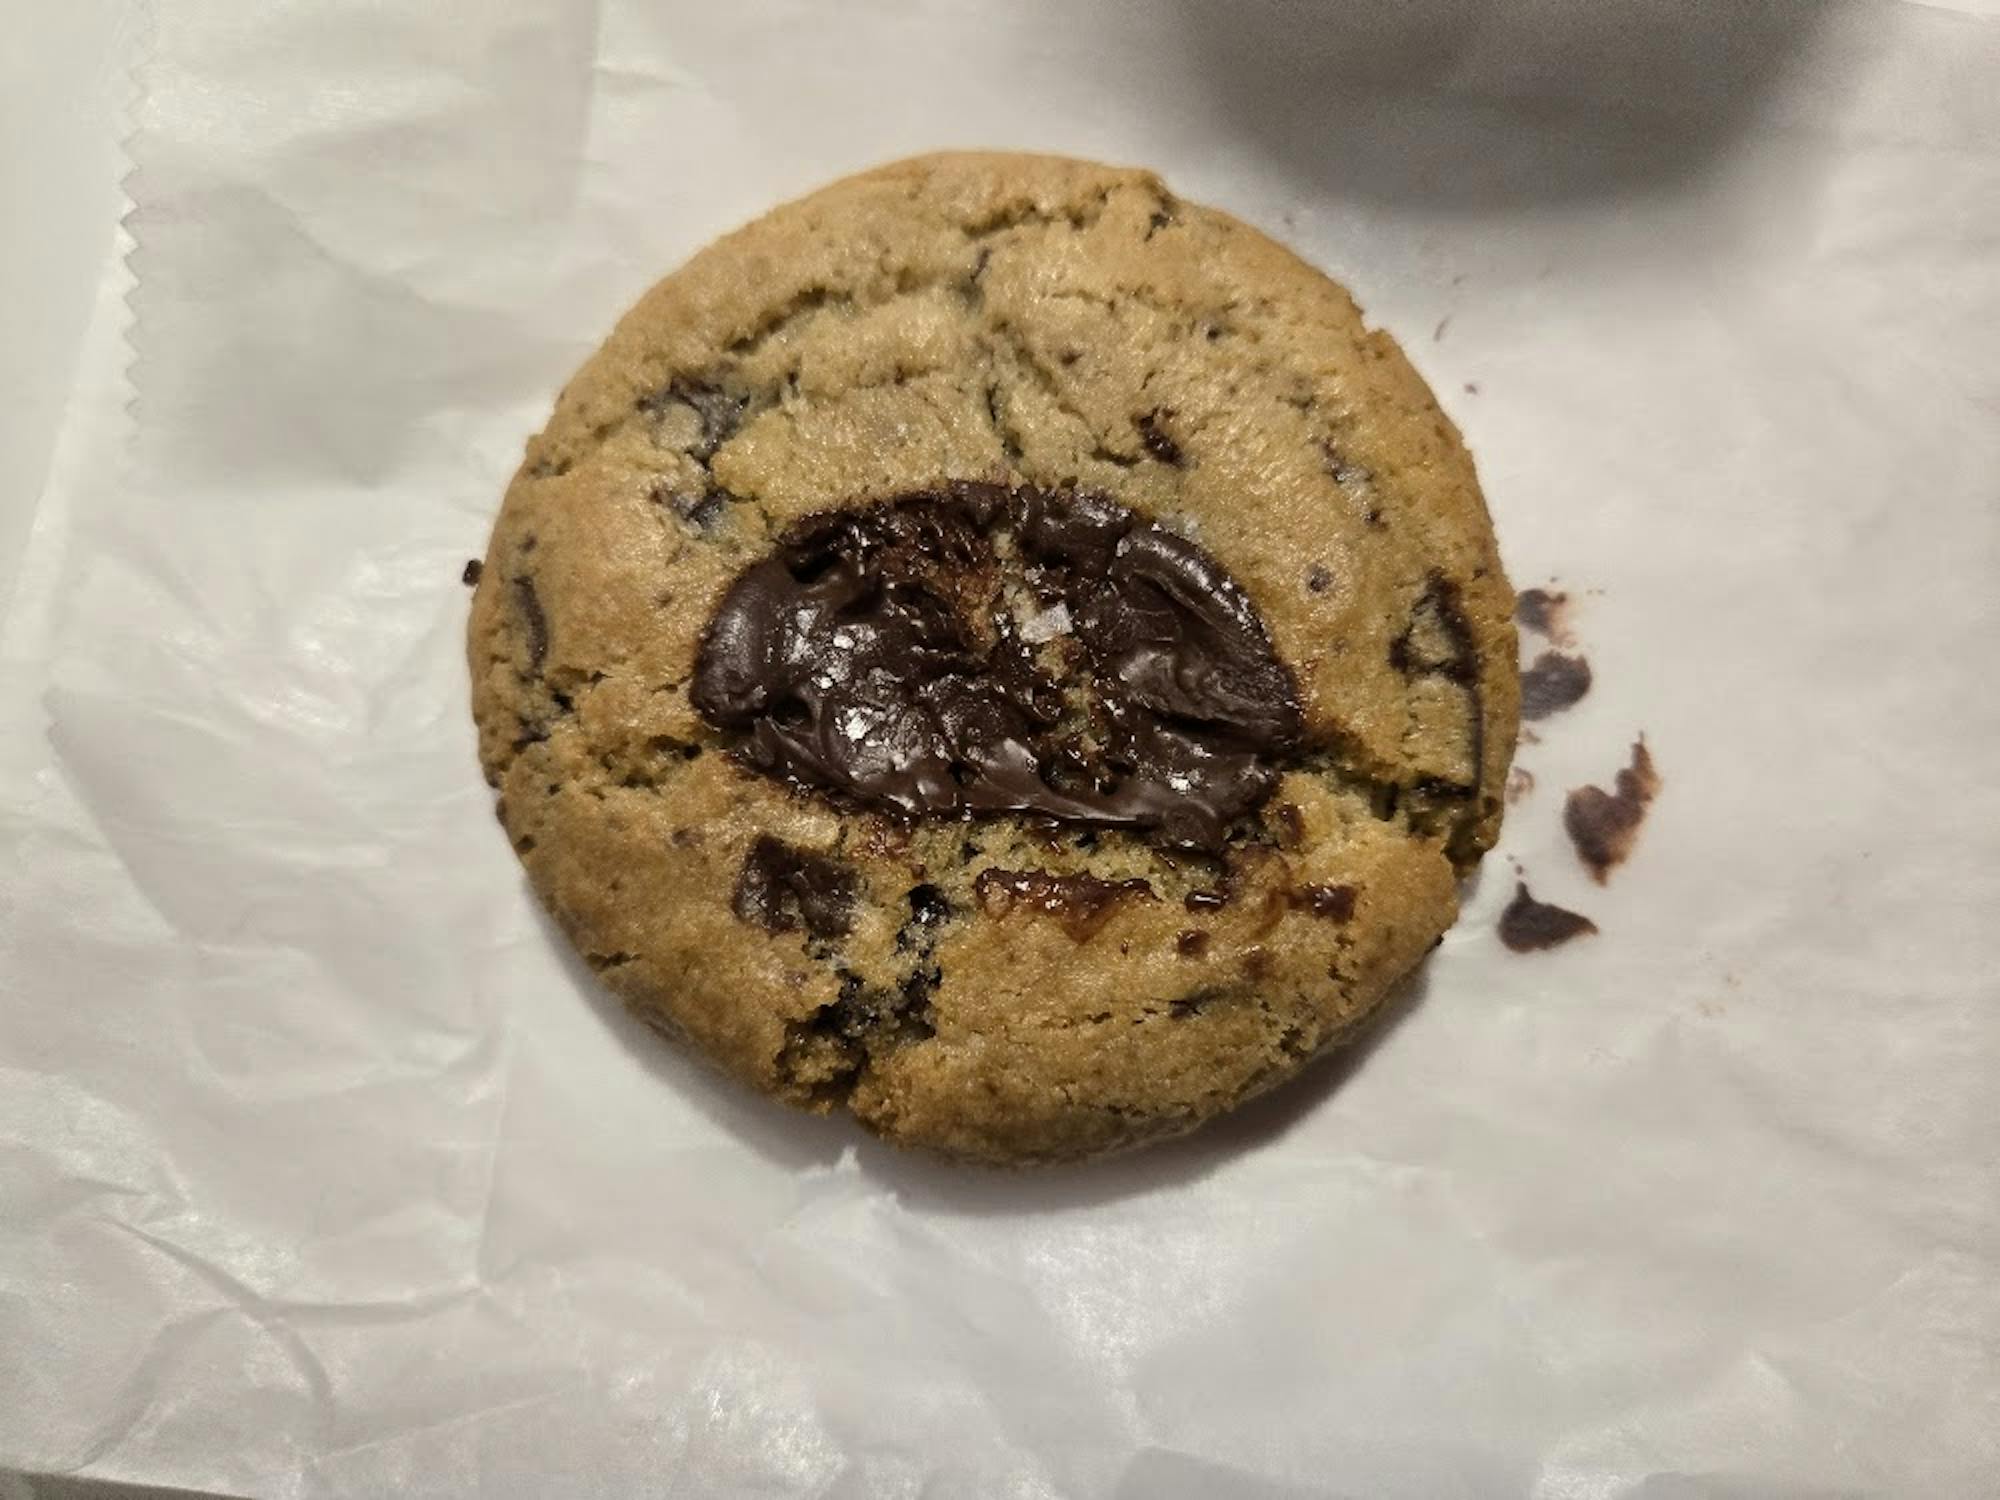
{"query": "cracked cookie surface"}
pixel 1029 952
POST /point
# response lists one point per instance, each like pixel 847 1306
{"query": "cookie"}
pixel 1000 649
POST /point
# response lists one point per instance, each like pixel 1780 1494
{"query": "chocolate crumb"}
pixel 1553 683
pixel 1604 825
pixel 1530 926
pixel 473 568
pixel 1544 611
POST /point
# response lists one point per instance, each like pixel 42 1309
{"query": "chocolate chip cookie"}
pixel 1000 649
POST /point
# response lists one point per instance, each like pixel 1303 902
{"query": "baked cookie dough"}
pixel 1000 649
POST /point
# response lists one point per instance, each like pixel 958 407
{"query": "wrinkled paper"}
pixel 326 1172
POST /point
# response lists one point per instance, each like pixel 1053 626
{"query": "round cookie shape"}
pixel 1001 649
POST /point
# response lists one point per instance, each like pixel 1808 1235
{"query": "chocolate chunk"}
pixel 1153 433
pixel 1604 825
pixel 530 605
pixel 1192 943
pixel 1081 903
pixel 1528 925
pixel 1553 683
pixel 874 656
pixel 782 888
pixel 1335 903
pixel 473 568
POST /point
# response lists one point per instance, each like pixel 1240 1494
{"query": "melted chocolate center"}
pixel 979 650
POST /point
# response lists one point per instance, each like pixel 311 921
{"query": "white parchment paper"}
pixel 322 1170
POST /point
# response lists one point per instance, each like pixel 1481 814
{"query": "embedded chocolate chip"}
pixel 719 413
pixel 1317 578
pixel 1192 943
pixel 530 605
pixel 1192 1005
pixel 700 511
pixel 1333 903
pixel 1081 903
pixel 1153 433
pixel 1291 825
pixel 1438 640
pixel 473 568
pixel 782 888
pixel 928 906
pixel 917 990
pixel 929 910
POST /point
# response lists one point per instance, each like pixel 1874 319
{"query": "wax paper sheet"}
pixel 325 1172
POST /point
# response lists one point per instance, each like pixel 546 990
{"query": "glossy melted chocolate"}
pixel 880 655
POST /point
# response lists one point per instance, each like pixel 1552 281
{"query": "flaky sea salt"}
pixel 1047 625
